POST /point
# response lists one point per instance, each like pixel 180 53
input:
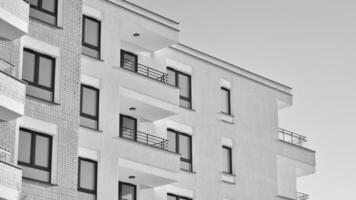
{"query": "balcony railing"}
pixel 302 196
pixel 4 155
pixel 291 137
pixel 144 138
pixel 145 71
pixel 7 67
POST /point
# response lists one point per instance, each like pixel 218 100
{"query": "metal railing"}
pixel 145 71
pixel 5 155
pixel 144 138
pixel 291 137
pixel 302 196
pixel 7 67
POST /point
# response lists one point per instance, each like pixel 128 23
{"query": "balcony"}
pixel 302 196
pixel 12 93
pixel 146 157
pixel 144 138
pixel 14 17
pixel 291 137
pixel 145 92
pixel 145 28
pixel 10 177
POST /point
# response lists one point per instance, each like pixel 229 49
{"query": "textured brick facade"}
pixel 12 88
pixel 65 114
pixel 10 176
pixel 17 8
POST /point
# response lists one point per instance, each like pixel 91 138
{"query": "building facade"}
pixel 99 100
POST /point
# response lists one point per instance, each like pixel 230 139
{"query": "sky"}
pixel 309 45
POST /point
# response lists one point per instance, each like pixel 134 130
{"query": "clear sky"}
pixel 309 45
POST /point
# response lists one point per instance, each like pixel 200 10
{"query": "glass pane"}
pixel 87 175
pixel 39 93
pixel 128 123
pixel 35 174
pixel 169 197
pixel 225 101
pixel 184 103
pixel 129 61
pixel 184 85
pixel 24 147
pixel 42 151
pixel 171 136
pixel 89 101
pixel 91 32
pixel 49 5
pixel 33 2
pixel 90 123
pixel 127 192
pixel 171 77
pixel 45 72
pixel 90 52
pixel 184 146
pixel 226 160
pixel 186 165
pixel 28 68
pixel 44 17
pixel 85 196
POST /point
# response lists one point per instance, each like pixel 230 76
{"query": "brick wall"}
pixel 10 176
pixel 18 8
pixel 66 114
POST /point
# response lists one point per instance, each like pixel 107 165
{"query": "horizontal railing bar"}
pixel 291 137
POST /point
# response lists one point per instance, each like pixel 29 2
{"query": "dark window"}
pixel 227 160
pixel 226 101
pixel 87 179
pixel 91 37
pixel 183 82
pixel 127 191
pixel 182 144
pixel 89 107
pixel 128 127
pixel 38 70
pixel 35 155
pixel 44 10
pixel 129 60
pixel 176 197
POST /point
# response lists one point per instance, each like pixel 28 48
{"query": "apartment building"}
pixel 99 100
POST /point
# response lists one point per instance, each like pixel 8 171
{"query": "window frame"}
pixel 121 123
pixel 40 8
pixel 128 184
pixel 36 74
pixel 90 46
pixel 32 164
pixel 190 161
pixel 93 192
pixel 176 84
pixel 96 118
pixel 122 61
pixel 228 93
pixel 230 165
pixel 178 197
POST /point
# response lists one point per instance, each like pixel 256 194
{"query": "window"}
pixel 127 191
pixel 87 179
pixel 35 155
pixel 89 107
pixel 44 10
pixel 129 60
pixel 227 160
pixel 128 127
pixel 226 101
pixel 91 37
pixel 183 82
pixel 39 72
pixel 182 144
pixel 176 197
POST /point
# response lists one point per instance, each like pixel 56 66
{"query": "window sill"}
pixel 39 182
pixel 187 171
pixel 92 58
pixel 228 178
pixel 46 23
pixel 43 100
pixel 185 108
pixel 227 118
pixel 91 129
